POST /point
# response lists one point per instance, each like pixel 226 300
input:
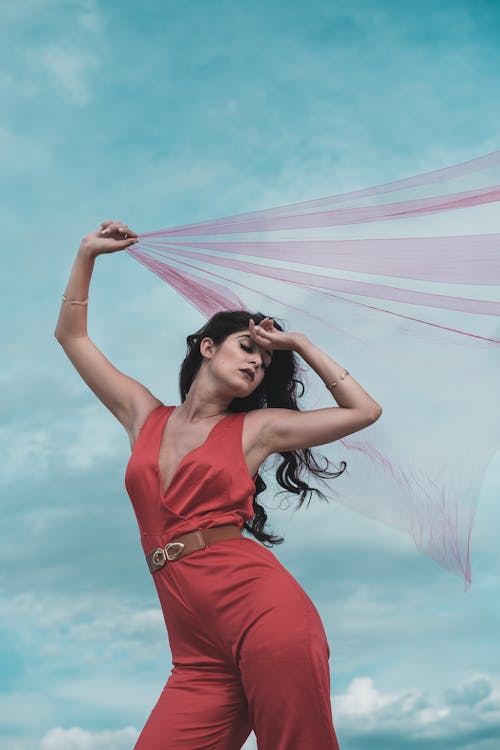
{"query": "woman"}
pixel 249 650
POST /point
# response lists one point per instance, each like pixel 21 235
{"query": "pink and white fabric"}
pixel 400 283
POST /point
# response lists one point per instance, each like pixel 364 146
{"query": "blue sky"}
pixel 160 113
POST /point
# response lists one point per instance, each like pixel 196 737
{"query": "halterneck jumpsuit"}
pixel 249 650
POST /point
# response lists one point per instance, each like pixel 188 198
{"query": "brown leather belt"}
pixel 186 543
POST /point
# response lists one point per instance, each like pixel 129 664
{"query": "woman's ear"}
pixel 207 347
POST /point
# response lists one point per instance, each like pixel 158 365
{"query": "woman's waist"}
pixel 150 540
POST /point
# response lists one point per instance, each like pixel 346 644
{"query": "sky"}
pixel 163 113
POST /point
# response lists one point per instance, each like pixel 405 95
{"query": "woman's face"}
pixel 239 362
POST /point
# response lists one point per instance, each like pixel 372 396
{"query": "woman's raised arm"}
pixel 287 429
pixel 127 399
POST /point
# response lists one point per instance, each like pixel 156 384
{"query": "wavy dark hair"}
pixel 278 389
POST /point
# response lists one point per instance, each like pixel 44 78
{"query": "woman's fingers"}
pixel 111 236
pixel 130 232
pixel 258 335
pixel 269 337
pixel 116 229
pixel 266 326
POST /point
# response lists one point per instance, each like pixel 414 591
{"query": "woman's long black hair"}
pixel 278 389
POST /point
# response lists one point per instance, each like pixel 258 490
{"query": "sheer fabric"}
pixel 400 284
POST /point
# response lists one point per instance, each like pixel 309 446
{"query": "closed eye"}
pixel 248 349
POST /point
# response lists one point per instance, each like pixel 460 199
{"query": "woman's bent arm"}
pixel 286 429
pixel 348 392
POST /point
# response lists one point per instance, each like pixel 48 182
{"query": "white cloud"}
pixel 361 711
pixel 104 629
pixel 147 623
pixel 85 617
pixel 69 64
pixel 364 709
pixel 90 22
pixel 361 698
pixel 70 70
pixel 76 738
pixel 31 452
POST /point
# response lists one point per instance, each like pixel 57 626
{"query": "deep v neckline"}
pixel 164 493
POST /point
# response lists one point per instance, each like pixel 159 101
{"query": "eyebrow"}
pixel 247 336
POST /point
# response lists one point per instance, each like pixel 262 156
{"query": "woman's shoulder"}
pixel 143 412
pixel 256 423
pixel 264 415
pixel 147 407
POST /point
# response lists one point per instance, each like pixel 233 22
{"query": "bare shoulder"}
pixel 255 448
pixel 282 430
pixel 143 408
pixel 255 425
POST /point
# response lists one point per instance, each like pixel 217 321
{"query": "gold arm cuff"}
pixel 74 301
pixel 332 385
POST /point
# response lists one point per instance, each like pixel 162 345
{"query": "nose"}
pixel 257 360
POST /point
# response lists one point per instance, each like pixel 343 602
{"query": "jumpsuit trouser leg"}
pixel 249 651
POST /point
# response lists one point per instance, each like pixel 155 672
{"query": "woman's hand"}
pixel 110 237
pixel 269 337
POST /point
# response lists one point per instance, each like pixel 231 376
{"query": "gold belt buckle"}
pixel 162 554
pixel 168 547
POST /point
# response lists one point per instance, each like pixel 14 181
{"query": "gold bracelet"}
pixel 332 385
pixel 74 301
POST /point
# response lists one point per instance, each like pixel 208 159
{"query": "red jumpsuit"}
pixel 249 650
